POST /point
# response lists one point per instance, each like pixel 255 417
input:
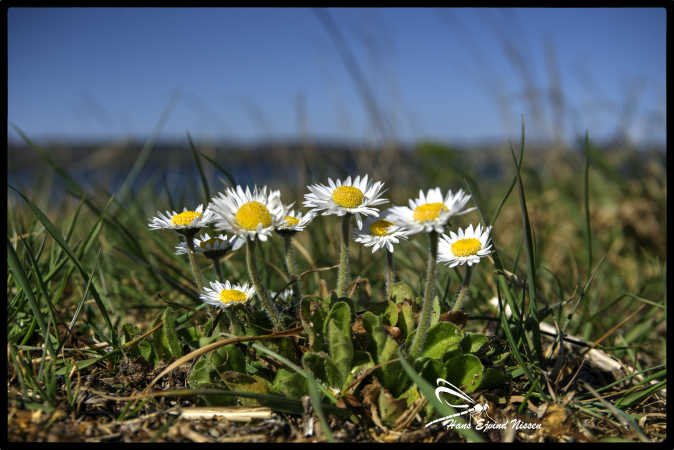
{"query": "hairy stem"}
pixel 425 317
pixel 343 275
pixel 218 269
pixel 269 306
pixel 389 274
pixel 235 325
pixel 189 240
pixel 291 267
pixel 464 288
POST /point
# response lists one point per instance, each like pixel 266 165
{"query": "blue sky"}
pixel 444 74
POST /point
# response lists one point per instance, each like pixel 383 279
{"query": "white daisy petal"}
pixel 379 232
pixel 430 211
pixel 248 214
pixel 355 196
pixel 212 247
pixel 187 220
pixel 465 247
pixel 224 295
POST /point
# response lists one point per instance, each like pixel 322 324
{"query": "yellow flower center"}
pixel 232 296
pixel 380 227
pixel 251 214
pixel 466 247
pixel 428 211
pixel 185 218
pixel 348 196
pixel 212 242
pixel 291 221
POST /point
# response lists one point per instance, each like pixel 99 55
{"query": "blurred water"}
pixel 181 182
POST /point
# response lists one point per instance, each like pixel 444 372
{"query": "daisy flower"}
pixel 212 247
pixel 224 295
pixel 379 233
pixel 249 215
pixel 357 197
pixel 188 221
pixel 431 212
pixel 294 222
pixel 465 247
pixel 284 295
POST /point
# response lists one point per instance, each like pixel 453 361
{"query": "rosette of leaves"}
pixel 333 360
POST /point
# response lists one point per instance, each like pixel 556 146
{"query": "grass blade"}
pixel 531 265
pixel 43 154
pixel 313 387
pixel 144 154
pixel 588 230
pixel 229 176
pixel 204 181
pixel 78 309
pixel 20 276
pixel 57 237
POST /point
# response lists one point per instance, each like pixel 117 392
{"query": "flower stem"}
pixel 343 275
pixel 218 269
pixel 389 274
pixel 271 309
pixel 291 267
pixel 189 240
pixel 463 289
pixel 235 325
pixel 425 317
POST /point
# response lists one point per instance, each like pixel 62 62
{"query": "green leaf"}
pixel 169 338
pixel 401 291
pixel 290 384
pixel 247 383
pixel 384 347
pixel 129 332
pixel 228 357
pixel 435 311
pixel 338 331
pixel 492 378
pixel 390 409
pixel 391 314
pixel 429 392
pixel 472 342
pixel 406 319
pixel 430 369
pixel 284 347
pixel 145 350
pixel 201 372
pixel 313 317
pixel 313 362
pixel 361 361
pixel 441 338
pixel 465 371
pixel 411 395
pixel 333 373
